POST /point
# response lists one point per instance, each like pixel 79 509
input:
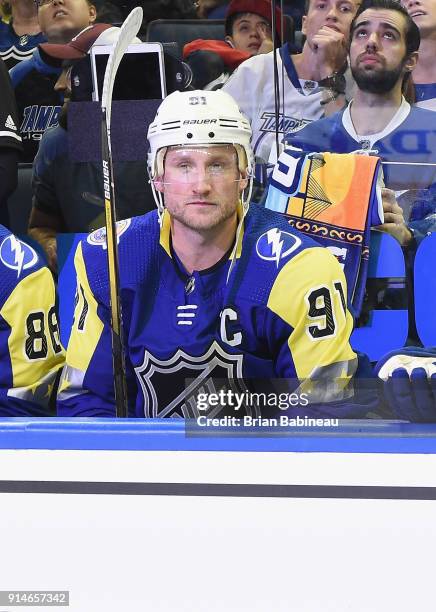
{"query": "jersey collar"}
pixel 165 233
pixel 393 124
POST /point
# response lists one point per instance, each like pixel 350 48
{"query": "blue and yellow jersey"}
pixel 30 350
pixel 280 313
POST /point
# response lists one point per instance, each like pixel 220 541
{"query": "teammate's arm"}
pixel 31 353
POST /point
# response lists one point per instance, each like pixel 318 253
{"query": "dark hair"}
pixel 231 20
pixel 412 35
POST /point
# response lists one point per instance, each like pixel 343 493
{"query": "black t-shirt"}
pixel 9 125
pixel 38 103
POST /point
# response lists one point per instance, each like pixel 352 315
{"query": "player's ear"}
pixel 243 181
pixel 229 41
pixel 303 24
pixel 158 183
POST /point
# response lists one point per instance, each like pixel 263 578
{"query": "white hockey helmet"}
pixel 198 118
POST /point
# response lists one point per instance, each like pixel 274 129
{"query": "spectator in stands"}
pixel 383 54
pixel 248 33
pixel 67 195
pixel 20 33
pixel 10 142
pixel 310 83
pixel 34 79
pixel 423 13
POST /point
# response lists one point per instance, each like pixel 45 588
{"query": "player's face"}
pixel 246 33
pixel 61 20
pixel 334 14
pixel 201 186
pixel 423 13
pixel 378 50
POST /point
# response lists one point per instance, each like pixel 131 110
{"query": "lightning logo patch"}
pixel 17 255
pixel 275 245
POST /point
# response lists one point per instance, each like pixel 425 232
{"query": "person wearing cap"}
pixel 33 79
pixel 310 83
pixel 248 32
pixel 211 287
pixel 68 195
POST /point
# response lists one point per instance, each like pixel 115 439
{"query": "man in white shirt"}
pixel 311 83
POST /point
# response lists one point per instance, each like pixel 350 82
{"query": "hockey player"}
pixel 30 350
pixel 209 289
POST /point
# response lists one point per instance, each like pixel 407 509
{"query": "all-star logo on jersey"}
pixel 98 238
pixel 190 376
pixel 17 255
pixel 275 245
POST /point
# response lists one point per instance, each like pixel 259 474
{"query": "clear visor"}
pixel 200 168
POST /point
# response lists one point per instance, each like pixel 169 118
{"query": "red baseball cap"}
pixel 79 46
pixel 259 7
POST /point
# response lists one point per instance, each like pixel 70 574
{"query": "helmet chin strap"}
pixel 245 200
pixel 158 198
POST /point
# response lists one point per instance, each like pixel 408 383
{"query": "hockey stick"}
pixel 128 31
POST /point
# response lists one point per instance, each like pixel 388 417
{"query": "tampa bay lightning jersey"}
pixel 15 48
pixel 30 350
pixel 39 105
pixel 407 144
pixel 252 86
pixel 281 313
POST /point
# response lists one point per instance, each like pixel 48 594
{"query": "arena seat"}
pixel 20 202
pixel 425 290
pixel 387 320
pixel 183 31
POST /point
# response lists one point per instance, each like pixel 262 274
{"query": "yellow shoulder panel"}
pixel 33 343
pixel 310 295
pixel 87 325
